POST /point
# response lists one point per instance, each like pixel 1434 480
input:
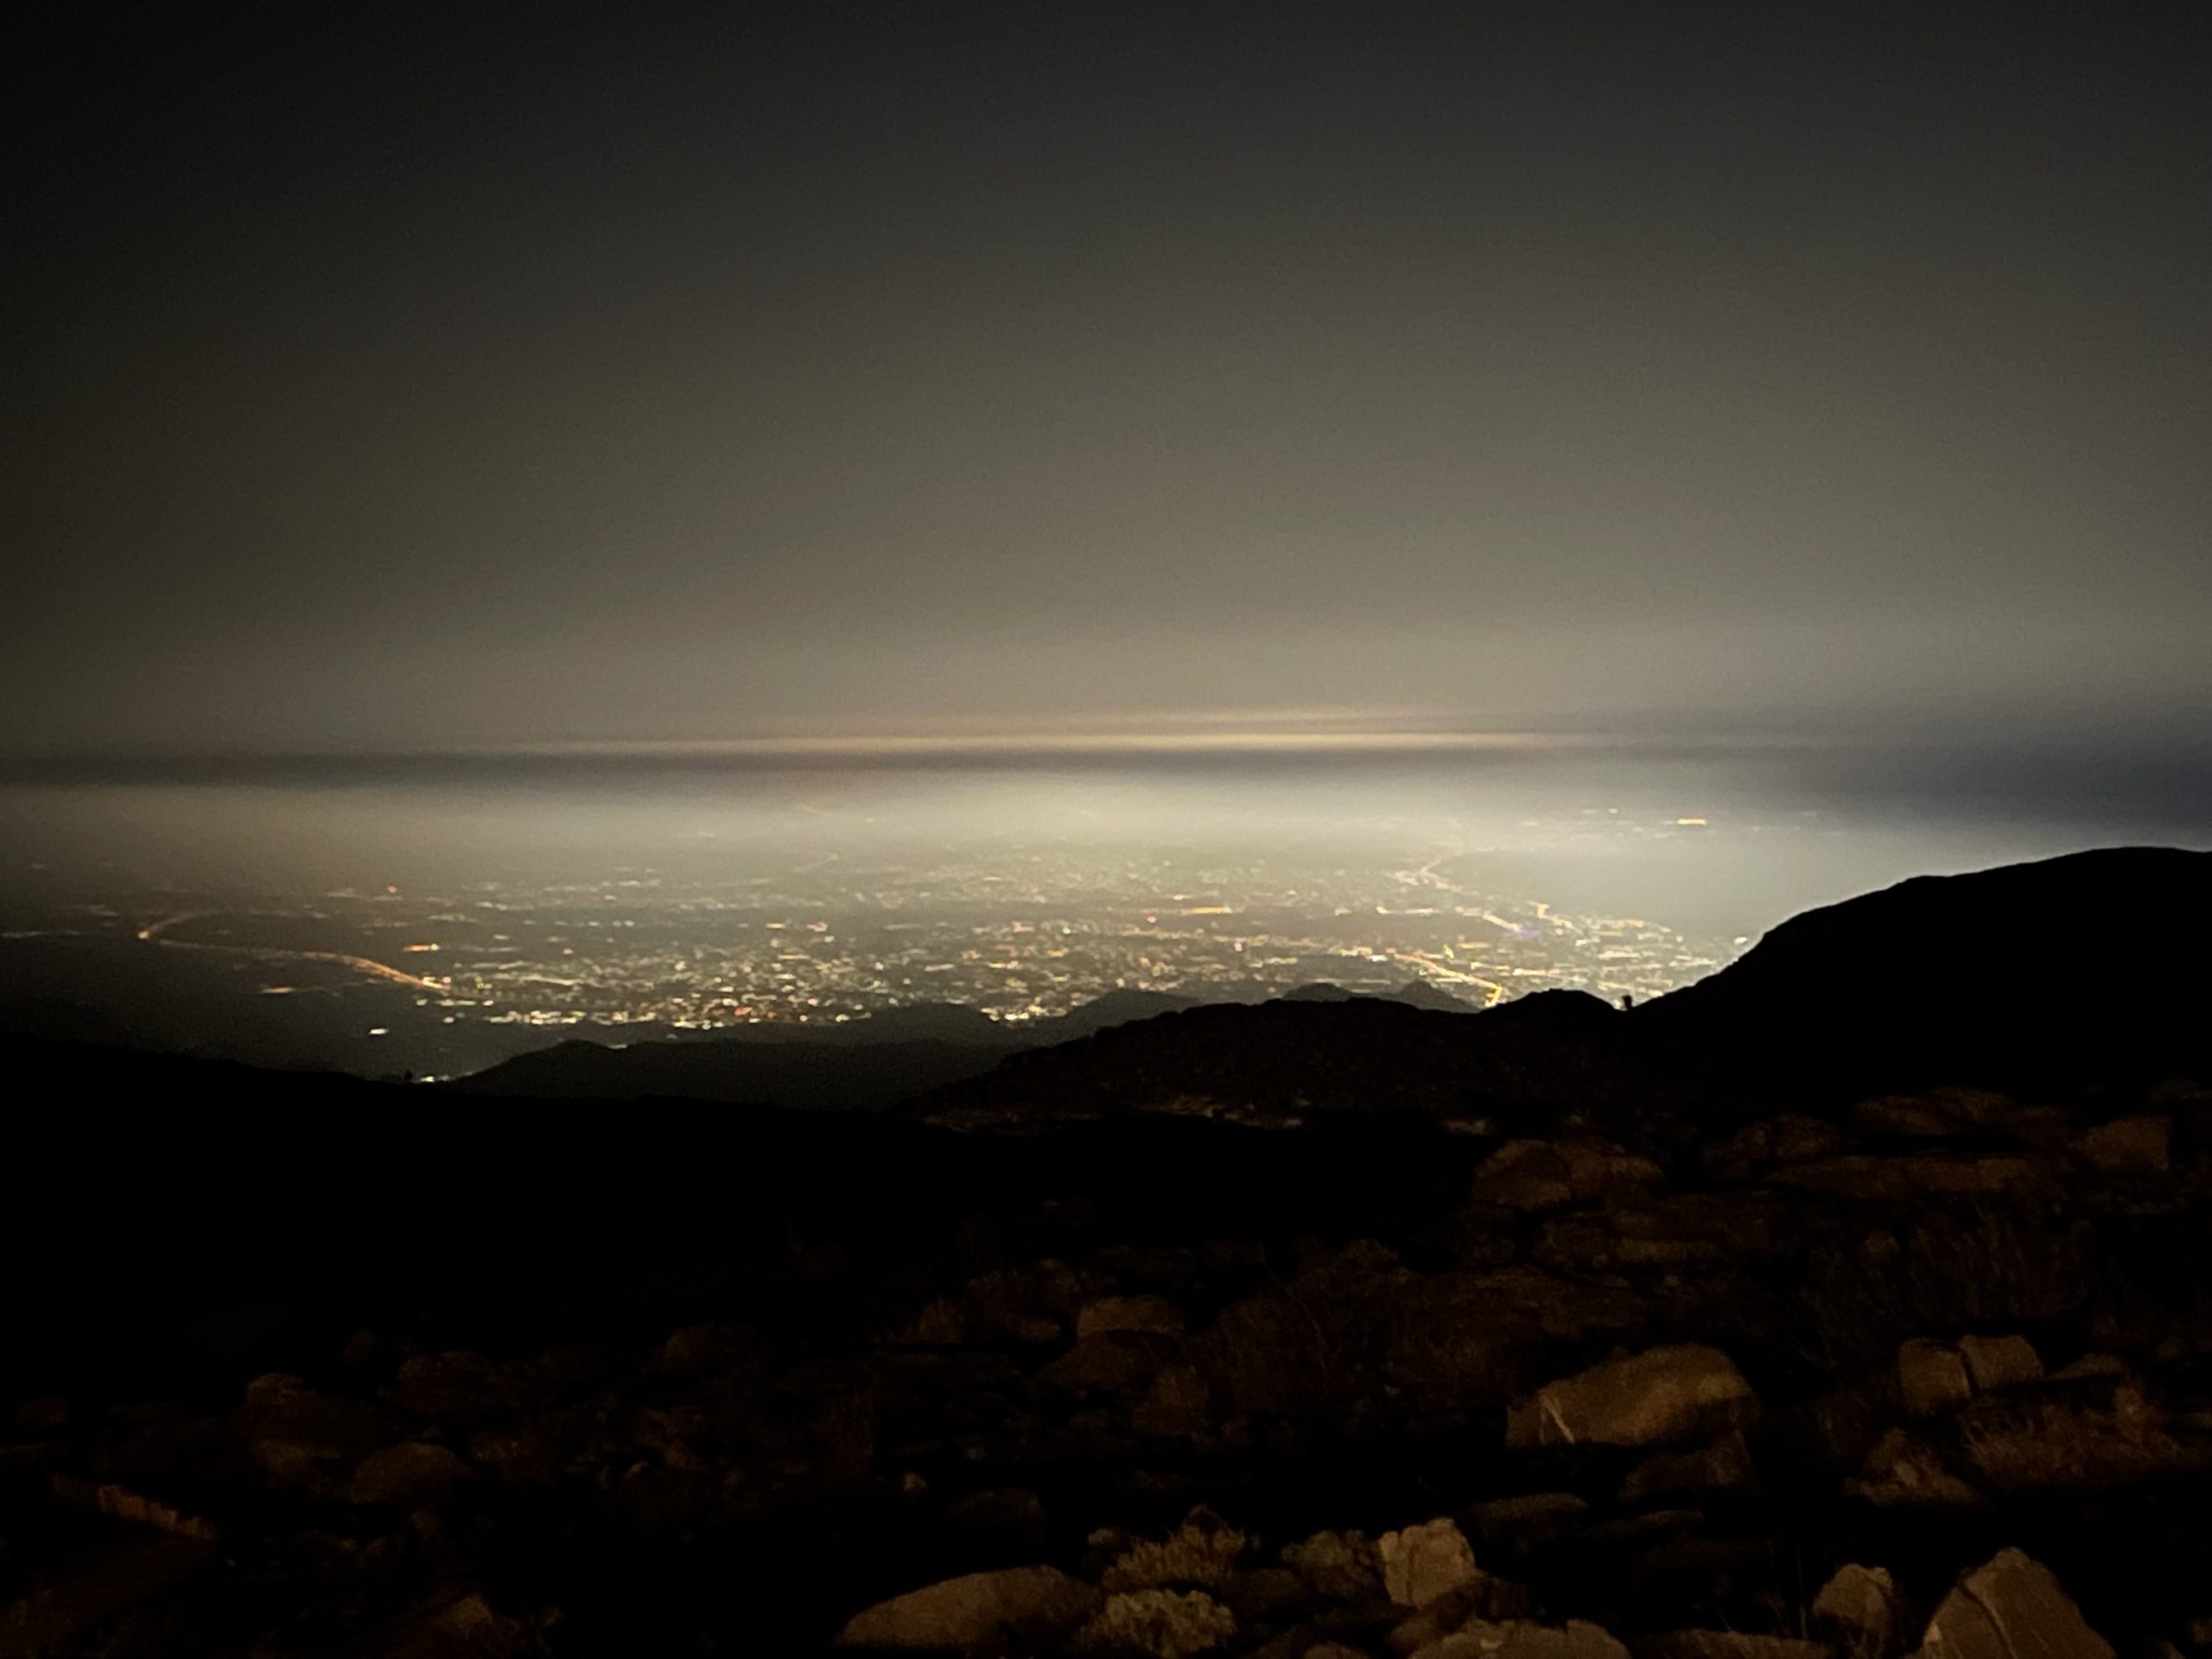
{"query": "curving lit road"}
pixel 152 933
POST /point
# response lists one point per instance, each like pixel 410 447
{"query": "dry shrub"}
pixel 1992 1267
pixel 1156 1624
pixel 2025 1445
pixel 1271 1356
pixel 1202 1551
pixel 1848 1312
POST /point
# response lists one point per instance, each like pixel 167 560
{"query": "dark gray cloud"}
pixel 429 380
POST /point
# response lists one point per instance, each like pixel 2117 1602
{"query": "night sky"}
pixel 380 378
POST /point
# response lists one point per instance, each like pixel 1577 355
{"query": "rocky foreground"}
pixel 1807 1385
pixel 1687 1375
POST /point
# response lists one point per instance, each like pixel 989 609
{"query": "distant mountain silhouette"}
pixel 871 1062
pixel 1274 1061
pixel 1115 1008
pixel 877 1060
pixel 2096 965
pixel 1414 994
pixel 827 1074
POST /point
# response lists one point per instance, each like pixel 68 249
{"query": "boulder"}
pixel 1495 1600
pixel 120 1502
pixel 1722 1469
pixel 1912 1117
pixel 1523 1175
pixel 1740 1156
pixel 1860 1609
pixel 412 1472
pixel 1116 1365
pixel 698 1349
pixel 1667 1234
pixel 532 1452
pixel 1954 1110
pixel 1790 1138
pixel 2010 1607
pixel 1603 1170
pixel 92 1587
pixel 1996 1364
pixel 1339 1566
pixel 2093 1368
pixel 1143 1315
pixel 1662 1396
pixel 1533 1176
pixel 461 1387
pixel 1902 1470
pixel 1421 1563
pixel 300 1436
pixel 1029 1602
pixel 1932 1377
pixel 1446 1615
pixel 2129 1145
pixel 454 1624
pixel 1023 1304
pixel 1799 1138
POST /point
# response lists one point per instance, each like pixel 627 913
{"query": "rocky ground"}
pixel 1929 1372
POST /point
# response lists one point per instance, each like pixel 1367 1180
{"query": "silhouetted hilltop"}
pixel 1414 994
pixel 1115 1008
pixel 874 1061
pixel 1276 1062
pixel 780 1071
pixel 2097 965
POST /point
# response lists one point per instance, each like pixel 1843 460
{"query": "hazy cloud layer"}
pixel 422 381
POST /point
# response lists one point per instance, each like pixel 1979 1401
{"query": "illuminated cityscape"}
pixel 1018 933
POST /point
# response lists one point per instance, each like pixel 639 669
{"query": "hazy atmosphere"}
pixel 428 379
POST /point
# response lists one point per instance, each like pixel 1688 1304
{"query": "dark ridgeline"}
pixel 876 1061
pixel 2033 973
pixel 1883 1247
